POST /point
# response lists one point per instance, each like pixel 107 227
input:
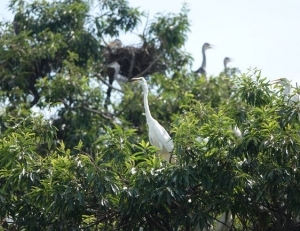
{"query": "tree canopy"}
pixel 70 159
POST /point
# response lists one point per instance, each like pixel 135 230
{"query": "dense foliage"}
pixel 89 165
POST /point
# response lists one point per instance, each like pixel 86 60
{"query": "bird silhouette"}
pixel 202 69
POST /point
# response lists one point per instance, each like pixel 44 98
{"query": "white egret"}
pixel 202 69
pixel 117 76
pixel 158 136
pixel 287 90
pixel 237 132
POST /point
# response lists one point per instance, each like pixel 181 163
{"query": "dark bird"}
pixel 121 80
pixel 202 69
pixel 226 60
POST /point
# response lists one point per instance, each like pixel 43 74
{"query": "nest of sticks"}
pixel 134 61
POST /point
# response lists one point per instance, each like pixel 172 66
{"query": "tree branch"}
pixel 157 224
pixel 127 224
pixel 103 114
pixel 119 112
pixel 107 84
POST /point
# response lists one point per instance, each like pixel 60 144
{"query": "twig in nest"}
pixel 131 64
pixel 147 69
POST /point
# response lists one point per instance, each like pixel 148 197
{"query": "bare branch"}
pixel 156 223
pixel 103 114
pixel 147 20
pixel 107 84
pixel 126 105
pixel 104 41
pixel 107 46
pixel 125 225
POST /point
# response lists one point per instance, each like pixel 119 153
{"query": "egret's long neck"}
pixel 225 65
pixel 204 59
pixel 117 70
pixel 146 105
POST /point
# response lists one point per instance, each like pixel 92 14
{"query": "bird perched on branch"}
pixel 288 97
pixel 158 136
pixel 202 69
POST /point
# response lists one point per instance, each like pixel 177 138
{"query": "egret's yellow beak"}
pixel 136 79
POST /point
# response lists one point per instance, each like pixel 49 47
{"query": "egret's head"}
pixel 227 60
pixel 141 81
pixel 207 46
pixel 114 65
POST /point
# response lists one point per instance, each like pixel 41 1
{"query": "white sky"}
pixel 255 33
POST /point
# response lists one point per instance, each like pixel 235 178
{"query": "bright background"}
pixel 262 34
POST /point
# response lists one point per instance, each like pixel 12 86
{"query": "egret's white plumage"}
pixel 237 132
pixel 117 76
pixel 290 99
pixel 287 90
pixel 158 136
